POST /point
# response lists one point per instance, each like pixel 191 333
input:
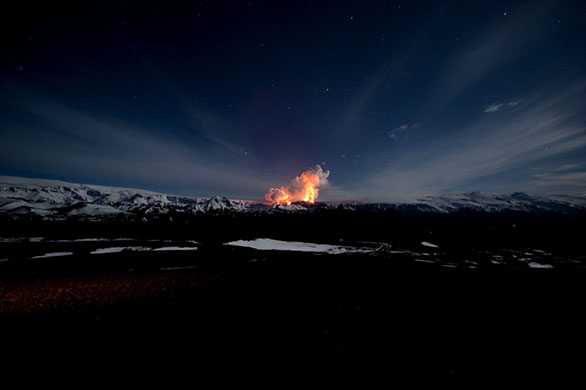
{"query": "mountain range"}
pixel 52 199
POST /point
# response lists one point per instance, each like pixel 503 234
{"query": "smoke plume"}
pixel 304 187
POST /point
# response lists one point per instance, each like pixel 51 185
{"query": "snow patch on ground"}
pixel 178 268
pixel 8 240
pixel 92 240
pixel 118 249
pixel 53 254
pixel 176 248
pixel 429 244
pixel 538 265
pixel 95 209
pixel 267 244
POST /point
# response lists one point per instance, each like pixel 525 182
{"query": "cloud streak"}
pixel 504 41
pixel 498 106
pixel 397 131
pixel 544 129
pixel 560 182
pixel 61 140
pixel 494 107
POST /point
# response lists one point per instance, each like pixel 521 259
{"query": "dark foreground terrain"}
pixel 412 324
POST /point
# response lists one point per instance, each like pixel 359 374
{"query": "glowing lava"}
pixel 303 188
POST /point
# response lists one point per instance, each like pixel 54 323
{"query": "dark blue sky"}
pixel 395 98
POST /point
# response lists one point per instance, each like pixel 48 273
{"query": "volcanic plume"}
pixel 304 187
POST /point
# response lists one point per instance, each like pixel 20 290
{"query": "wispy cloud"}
pixel 567 167
pixel 394 133
pixel 373 87
pixel 498 106
pixel 402 130
pixel 560 182
pixel 547 128
pixel 351 119
pixel 62 140
pixel 502 42
pixel 213 127
pixel 494 107
pixel 563 178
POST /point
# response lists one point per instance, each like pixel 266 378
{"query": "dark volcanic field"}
pixel 414 325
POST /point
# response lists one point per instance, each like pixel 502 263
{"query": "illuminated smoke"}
pixel 304 187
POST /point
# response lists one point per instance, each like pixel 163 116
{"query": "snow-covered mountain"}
pixel 481 201
pixel 57 199
pixel 52 198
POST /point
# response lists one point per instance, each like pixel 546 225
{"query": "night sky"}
pixel 395 98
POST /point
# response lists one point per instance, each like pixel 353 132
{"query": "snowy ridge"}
pixel 58 199
pixel 52 198
pixel 480 201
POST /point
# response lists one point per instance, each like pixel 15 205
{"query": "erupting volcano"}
pixel 303 188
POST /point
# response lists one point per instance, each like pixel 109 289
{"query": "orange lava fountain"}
pixel 303 188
